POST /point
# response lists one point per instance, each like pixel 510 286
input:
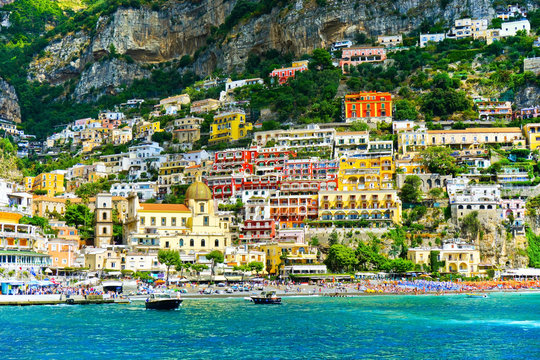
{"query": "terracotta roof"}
pixel 477 130
pixel 165 207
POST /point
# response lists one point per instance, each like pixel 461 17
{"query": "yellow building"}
pixel 532 134
pixel 52 183
pixel 229 126
pixel 238 256
pixel 28 182
pixel 459 139
pixel 410 164
pixel 377 206
pixel 148 128
pixel 458 257
pixel 366 173
pixel 281 254
pixel 190 228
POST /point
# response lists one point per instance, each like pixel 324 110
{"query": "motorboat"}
pixel 162 302
pixel 477 296
pixel 269 297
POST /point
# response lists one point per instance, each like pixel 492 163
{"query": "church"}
pixel 191 228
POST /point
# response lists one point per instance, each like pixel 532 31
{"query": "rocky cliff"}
pixel 181 28
pixel 9 106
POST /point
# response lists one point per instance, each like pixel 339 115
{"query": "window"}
pixel 191 242
pixel 142 220
pixel 166 244
pixel 152 221
pixel 163 221
pixel 203 243
pixel 104 216
pixel 104 230
pixel 206 220
pixel 173 221
pixel 202 207
pixel 181 242
pixel 216 243
pixel 183 221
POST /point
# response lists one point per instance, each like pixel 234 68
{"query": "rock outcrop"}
pixel 181 28
pixel 9 102
pixel 106 77
pixel 63 59
pixel 529 96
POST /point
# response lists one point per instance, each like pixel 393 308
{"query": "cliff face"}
pixel 308 26
pixel 106 77
pixel 9 106
pixel 182 28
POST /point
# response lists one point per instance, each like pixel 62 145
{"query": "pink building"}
pixel 514 207
pixel 284 74
pixel 529 113
pixel 357 55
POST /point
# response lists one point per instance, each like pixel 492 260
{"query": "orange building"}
pixel 62 252
pixel 368 105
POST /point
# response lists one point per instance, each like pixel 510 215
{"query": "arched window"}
pixel 203 243
pixel 191 242
pixel 104 230
pixel 216 243
pixel 202 207
pixel 104 216
pixel 181 242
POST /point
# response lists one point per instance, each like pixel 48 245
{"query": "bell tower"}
pixel 104 222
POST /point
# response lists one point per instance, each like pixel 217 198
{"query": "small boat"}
pixel 476 296
pixel 162 302
pixel 269 297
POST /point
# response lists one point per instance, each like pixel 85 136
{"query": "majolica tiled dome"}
pixel 198 191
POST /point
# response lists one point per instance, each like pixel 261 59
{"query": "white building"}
pixel 144 190
pixel 390 40
pixel 511 28
pixel 425 38
pixel 231 85
pixel 465 197
pixel 197 156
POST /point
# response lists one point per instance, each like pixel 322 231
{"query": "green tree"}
pixel 533 249
pixel 405 110
pixel 256 266
pixel 410 191
pixel 399 266
pixel 168 258
pixel 320 59
pixel 334 238
pixel 341 259
pixel 439 160
pixel 198 268
pixel 434 262
pixel 216 257
pixel 359 126
pixel 470 225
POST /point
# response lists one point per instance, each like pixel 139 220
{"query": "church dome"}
pixel 198 191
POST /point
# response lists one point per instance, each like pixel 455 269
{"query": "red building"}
pixel 368 104
pixel 238 169
pixel 258 231
pixel 284 74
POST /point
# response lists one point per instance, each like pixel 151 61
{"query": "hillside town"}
pixel 105 195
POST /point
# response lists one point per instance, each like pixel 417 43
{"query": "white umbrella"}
pixel 48 271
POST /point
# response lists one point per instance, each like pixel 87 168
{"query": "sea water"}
pixel 503 326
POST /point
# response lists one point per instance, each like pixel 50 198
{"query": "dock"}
pixel 29 300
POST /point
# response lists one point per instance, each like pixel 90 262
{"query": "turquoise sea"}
pixel 503 326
